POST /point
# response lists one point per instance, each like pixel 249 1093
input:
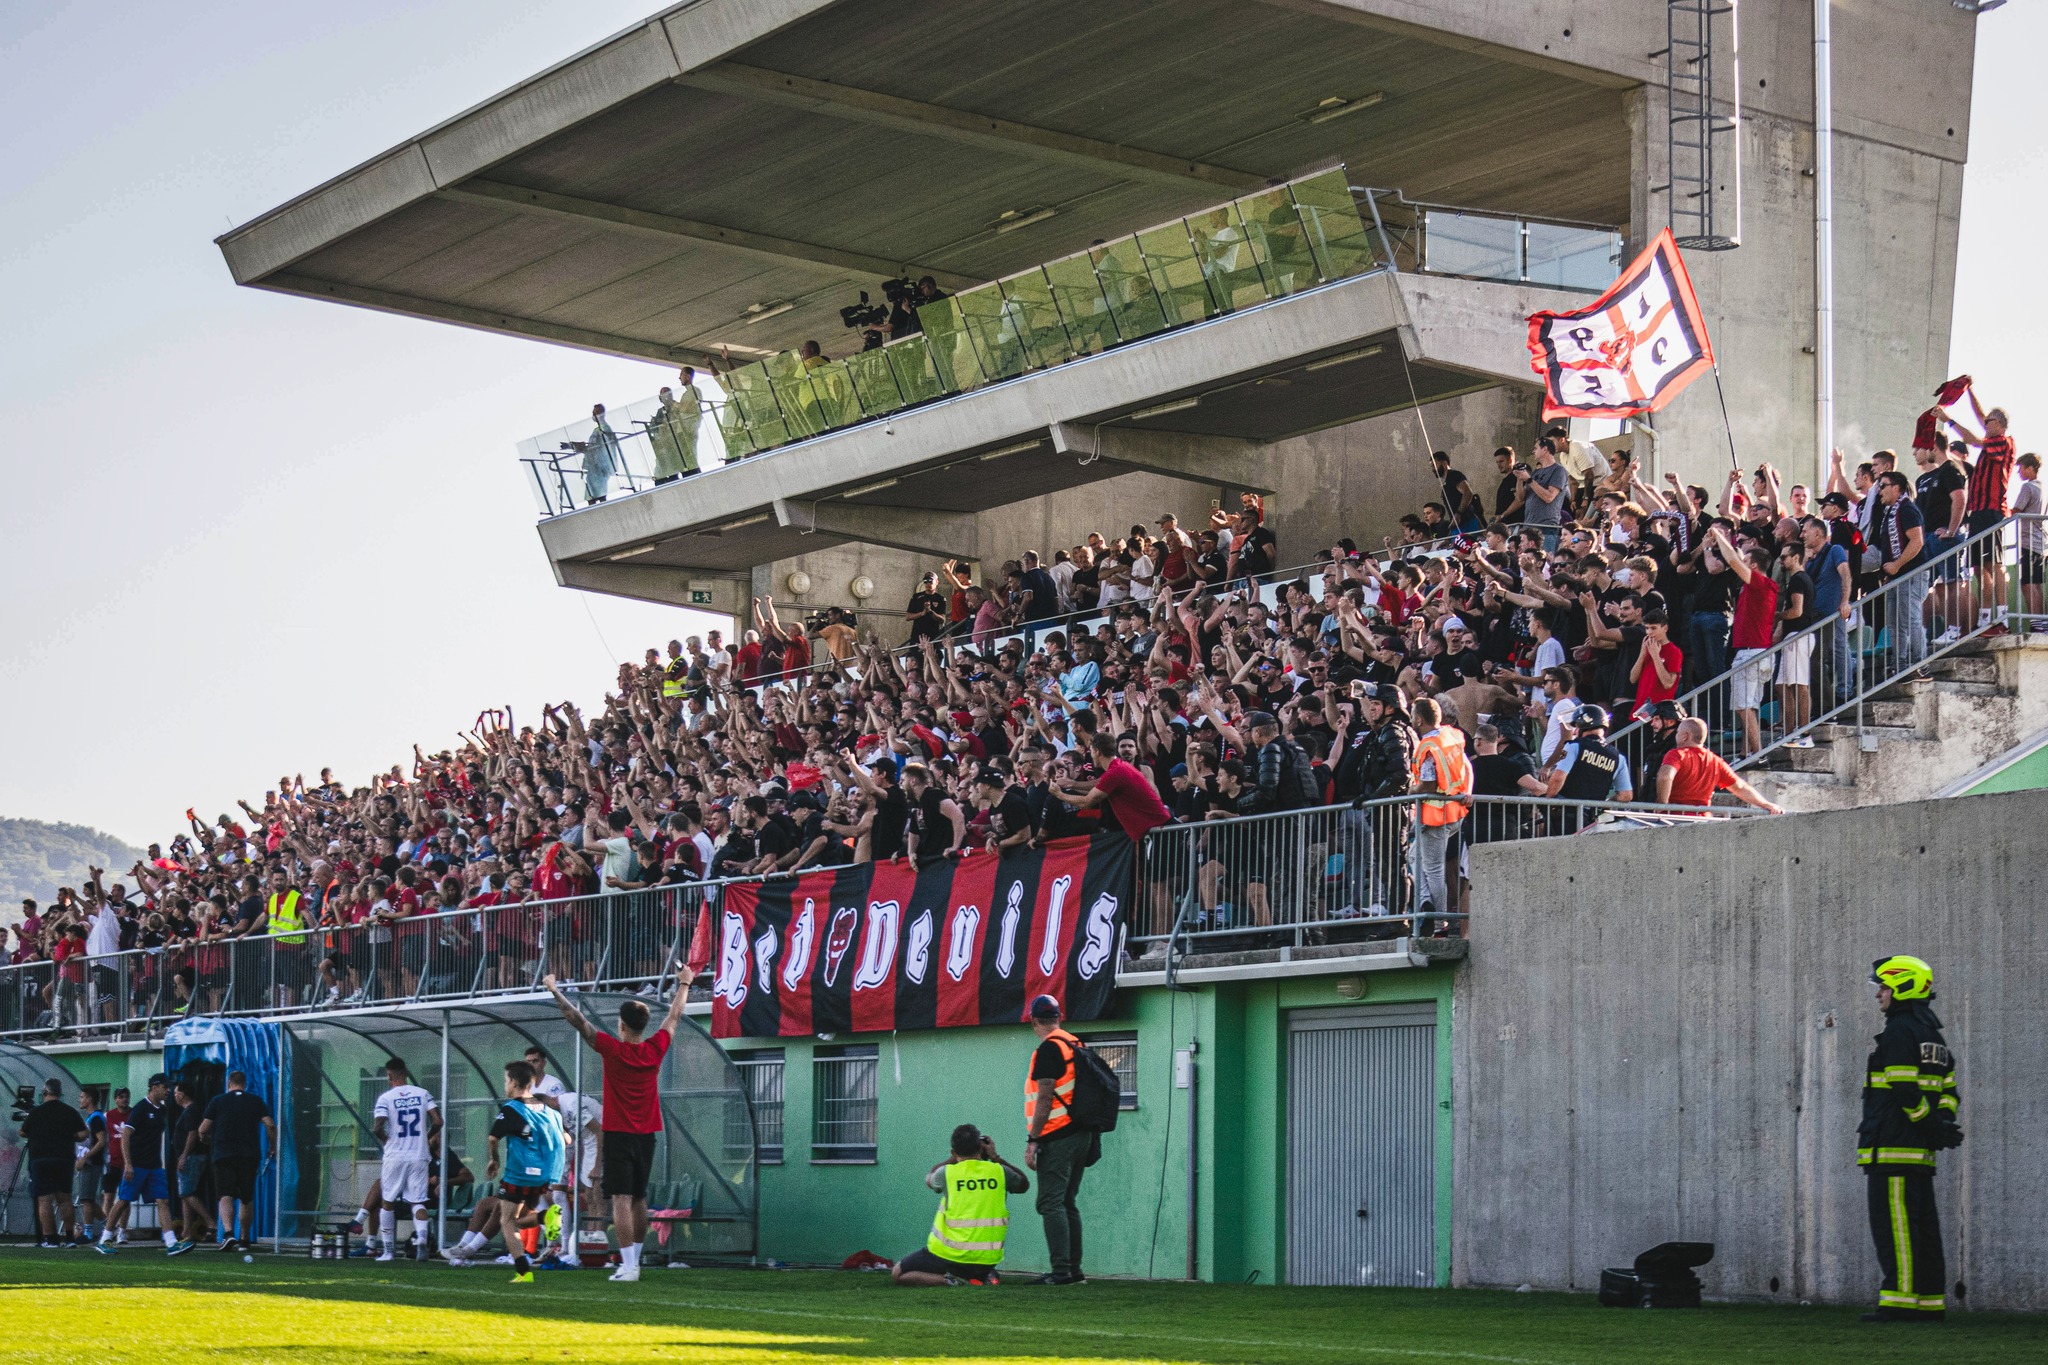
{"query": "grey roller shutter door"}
pixel 1361 1146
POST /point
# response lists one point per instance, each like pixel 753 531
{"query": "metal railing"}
pixel 1268 245
pixel 1840 669
pixel 1335 873
pixel 1439 239
pixel 621 941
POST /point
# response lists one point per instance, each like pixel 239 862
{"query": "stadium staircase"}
pixel 1920 739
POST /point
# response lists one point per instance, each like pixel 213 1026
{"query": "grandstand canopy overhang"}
pixel 1202 402
pixel 731 171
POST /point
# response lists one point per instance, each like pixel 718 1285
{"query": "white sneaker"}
pixel 626 1274
pixel 1949 636
pixel 384 1256
pixel 1376 910
pixel 1803 742
pixel 504 1260
pixel 332 997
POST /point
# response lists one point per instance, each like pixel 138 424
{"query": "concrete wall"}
pixel 1661 1035
pixel 1354 480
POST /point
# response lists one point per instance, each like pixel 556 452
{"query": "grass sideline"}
pixel 70 1306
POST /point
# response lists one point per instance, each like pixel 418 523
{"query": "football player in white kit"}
pixel 406 1120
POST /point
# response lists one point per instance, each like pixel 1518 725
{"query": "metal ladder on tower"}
pixel 1694 161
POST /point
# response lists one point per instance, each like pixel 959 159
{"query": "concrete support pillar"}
pixel 917 529
pixel 1184 455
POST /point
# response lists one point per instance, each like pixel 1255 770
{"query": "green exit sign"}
pixel 700 594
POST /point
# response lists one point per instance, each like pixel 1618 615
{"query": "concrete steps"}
pixel 1921 736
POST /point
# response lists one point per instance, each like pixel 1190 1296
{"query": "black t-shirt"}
pixel 1049 1063
pixel 1504 494
pixel 1013 813
pixel 52 1130
pixel 1453 499
pixel 1934 493
pixel 182 1131
pixel 928 615
pixel 249 911
pixel 1500 774
pixel 237 1118
pixel 772 839
pixel 934 830
pixel 144 1139
pixel 1256 550
pixel 1045 595
pixel 1801 584
pixel 1713 591
pixel 96 1124
pixel 885 835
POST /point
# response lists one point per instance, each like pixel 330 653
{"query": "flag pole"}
pixel 1726 426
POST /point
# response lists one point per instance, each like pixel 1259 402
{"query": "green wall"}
pixel 1134 1202
pixel 2026 774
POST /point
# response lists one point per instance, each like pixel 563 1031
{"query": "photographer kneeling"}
pixel 966 1241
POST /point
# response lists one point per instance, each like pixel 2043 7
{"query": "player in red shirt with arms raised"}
pixel 632 1107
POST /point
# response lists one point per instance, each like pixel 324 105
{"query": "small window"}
pixel 369 1085
pixel 844 1085
pixel 1120 1050
pixel 761 1074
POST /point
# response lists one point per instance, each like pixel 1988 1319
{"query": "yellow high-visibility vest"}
pixel 974 1217
pixel 284 916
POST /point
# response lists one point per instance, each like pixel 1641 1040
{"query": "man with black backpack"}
pixel 1070 1100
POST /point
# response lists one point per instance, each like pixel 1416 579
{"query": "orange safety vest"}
pixel 1453 775
pixel 1062 1088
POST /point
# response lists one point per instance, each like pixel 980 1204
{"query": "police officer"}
pixel 1909 1114
pixel 1589 769
pixel 1378 762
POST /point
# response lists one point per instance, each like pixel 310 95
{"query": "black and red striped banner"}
pixel 894 946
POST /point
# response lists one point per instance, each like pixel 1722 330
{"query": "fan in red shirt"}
pixel 1692 773
pixel 1121 787
pixel 632 1106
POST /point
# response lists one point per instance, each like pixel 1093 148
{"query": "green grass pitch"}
pixel 69 1307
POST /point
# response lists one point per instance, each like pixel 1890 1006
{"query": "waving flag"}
pixel 1629 351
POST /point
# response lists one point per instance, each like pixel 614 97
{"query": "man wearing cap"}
pixel 1055 1146
pixel 1378 762
pixel 1910 1104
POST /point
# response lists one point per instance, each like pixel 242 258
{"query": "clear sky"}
pixel 247 535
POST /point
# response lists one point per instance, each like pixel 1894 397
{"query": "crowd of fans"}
pixel 1486 653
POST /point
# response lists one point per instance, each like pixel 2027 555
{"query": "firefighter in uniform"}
pixel 1589 769
pixel 966 1241
pixel 1909 1114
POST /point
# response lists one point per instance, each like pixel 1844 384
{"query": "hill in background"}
pixel 37 857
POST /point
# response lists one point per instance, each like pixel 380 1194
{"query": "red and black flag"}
pixel 893 945
pixel 1629 351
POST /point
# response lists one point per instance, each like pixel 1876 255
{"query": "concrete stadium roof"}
pixel 650 195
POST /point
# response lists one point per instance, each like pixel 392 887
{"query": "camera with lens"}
pixel 24 1102
pixel 864 313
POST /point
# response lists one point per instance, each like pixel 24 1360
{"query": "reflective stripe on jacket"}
pixel 1062 1089
pixel 974 1215
pixel 282 918
pixel 1453 776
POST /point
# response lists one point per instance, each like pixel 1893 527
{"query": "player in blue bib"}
pixel 533 1158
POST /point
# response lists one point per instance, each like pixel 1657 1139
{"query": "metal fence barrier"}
pixel 1840 669
pixel 624 941
pixel 1334 874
